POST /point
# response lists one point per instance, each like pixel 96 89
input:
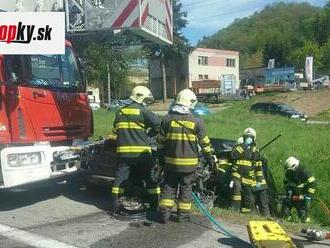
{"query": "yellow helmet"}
pixel 250 132
pixel 292 163
pixel 186 98
pixel 142 94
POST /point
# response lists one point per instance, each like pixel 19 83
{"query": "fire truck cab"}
pixel 44 112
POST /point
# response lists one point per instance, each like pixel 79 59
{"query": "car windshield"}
pixel 45 71
pixel 286 108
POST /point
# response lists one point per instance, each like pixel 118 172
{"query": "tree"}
pixel 322 25
pixel 276 48
pixel 175 55
pixel 117 52
pixel 251 61
pixel 310 48
pixel 325 59
pixel 275 31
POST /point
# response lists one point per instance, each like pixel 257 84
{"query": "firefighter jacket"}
pixel 179 137
pixel 130 125
pixel 299 182
pixel 247 166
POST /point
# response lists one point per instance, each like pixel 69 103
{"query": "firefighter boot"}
pixel 115 204
pixel 153 211
pixel 304 217
pixel 164 215
pixel 184 217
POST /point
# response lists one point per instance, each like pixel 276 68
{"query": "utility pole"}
pixel 163 69
pixel 174 73
pixel 109 84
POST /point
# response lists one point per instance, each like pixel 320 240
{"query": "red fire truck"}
pixel 44 109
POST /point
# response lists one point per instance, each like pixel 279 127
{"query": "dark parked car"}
pixel 116 104
pixel 278 108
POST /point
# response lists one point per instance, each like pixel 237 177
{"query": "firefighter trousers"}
pixel 301 206
pixel 247 198
pixel 261 201
pixel 180 185
pixel 236 197
pixel 133 174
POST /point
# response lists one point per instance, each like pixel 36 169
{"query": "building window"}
pixel 231 62
pixel 206 76
pixel 202 60
pixel 200 77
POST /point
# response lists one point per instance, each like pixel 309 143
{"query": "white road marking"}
pixel 30 239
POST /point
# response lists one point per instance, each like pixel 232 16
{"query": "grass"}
pixel 103 123
pixel 323 116
pixel 310 143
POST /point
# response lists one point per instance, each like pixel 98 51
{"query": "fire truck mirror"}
pixel 82 63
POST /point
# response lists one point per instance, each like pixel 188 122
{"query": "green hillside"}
pixel 286 32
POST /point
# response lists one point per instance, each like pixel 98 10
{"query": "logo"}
pixel 23 33
pixel 32 33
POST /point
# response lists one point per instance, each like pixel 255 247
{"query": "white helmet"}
pixel 141 94
pixel 250 132
pixel 291 163
pixel 186 98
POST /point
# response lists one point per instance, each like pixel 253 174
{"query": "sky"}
pixel 206 17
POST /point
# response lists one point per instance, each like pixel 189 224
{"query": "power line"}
pixel 203 4
pixel 200 2
pixel 207 18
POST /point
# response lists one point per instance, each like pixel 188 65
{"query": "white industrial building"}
pixel 204 68
pixel 214 65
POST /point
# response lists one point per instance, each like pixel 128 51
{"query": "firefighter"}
pixel 180 134
pixel 245 158
pixel 133 148
pixel 300 187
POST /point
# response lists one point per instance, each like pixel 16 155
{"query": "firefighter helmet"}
pixel 142 95
pixel 186 98
pixel 291 163
pixel 250 132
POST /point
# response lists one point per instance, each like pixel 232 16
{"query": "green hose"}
pixel 209 216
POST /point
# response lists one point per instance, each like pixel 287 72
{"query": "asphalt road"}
pixel 64 215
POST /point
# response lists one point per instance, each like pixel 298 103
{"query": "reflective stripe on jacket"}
pixel 247 166
pixel 179 137
pixel 130 126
